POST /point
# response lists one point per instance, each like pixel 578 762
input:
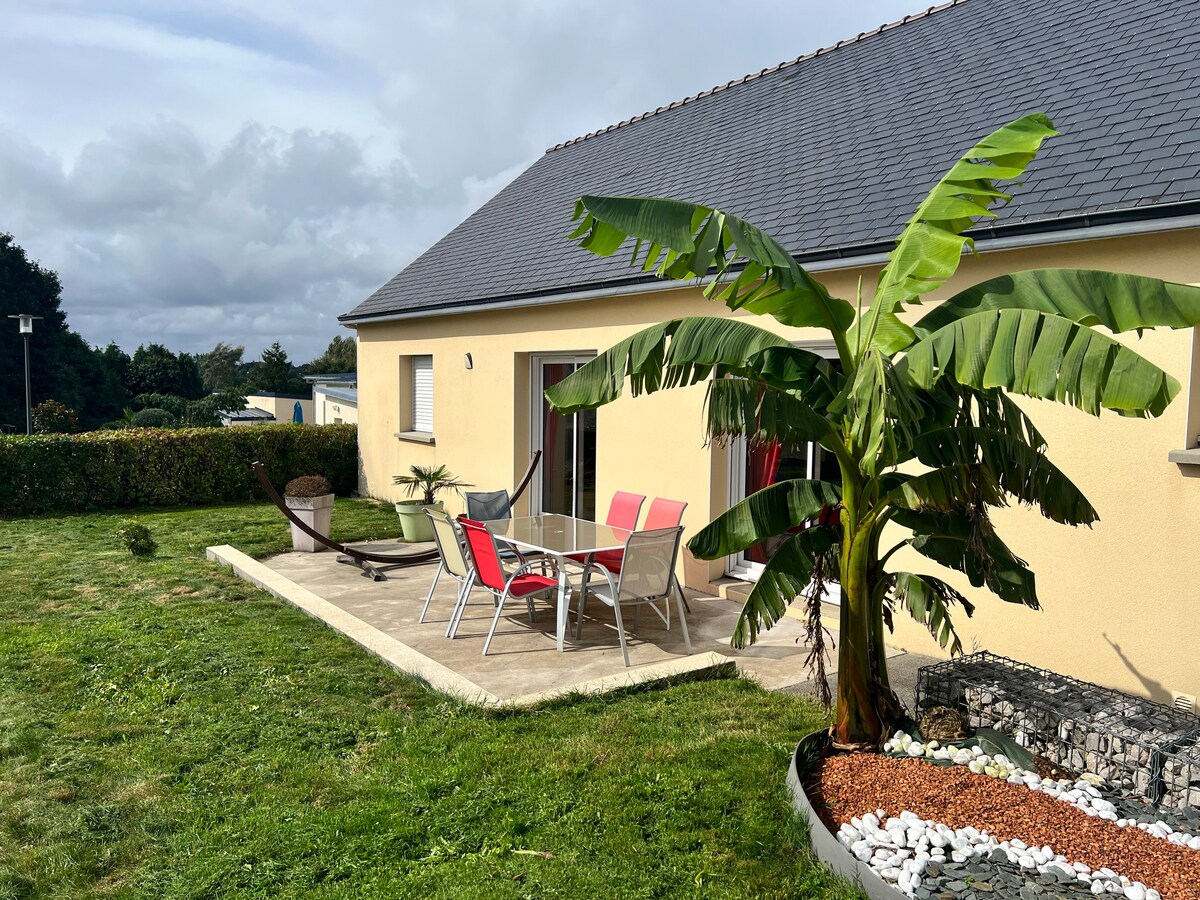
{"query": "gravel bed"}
pixel 859 784
pixel 996 877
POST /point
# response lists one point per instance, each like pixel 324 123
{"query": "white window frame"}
pixel 536 435
pixel 737 565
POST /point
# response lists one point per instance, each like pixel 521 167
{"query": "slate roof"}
pixel 831 152
pixel 250 413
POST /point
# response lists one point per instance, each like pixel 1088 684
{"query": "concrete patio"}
pixel 522 666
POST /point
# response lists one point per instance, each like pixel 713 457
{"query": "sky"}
pixel 246 172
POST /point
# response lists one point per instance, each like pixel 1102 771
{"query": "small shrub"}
pixel 136 538
pixel 52 417
pixel 153 418
pixel 308 486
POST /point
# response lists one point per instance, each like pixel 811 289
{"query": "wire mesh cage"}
pixel 1140 747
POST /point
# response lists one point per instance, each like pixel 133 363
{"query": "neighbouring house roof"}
pixel 346 395
pixel 333 378
pixel 250 413
pixel 832 151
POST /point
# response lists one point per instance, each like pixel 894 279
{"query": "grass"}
pixel 168 731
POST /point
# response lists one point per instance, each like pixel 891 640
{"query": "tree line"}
pixel 76 386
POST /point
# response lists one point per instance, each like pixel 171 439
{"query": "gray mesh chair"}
pixel 452 559
pixel 646 577
pixel 487 506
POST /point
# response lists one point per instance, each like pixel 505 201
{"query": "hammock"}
pixel 373 565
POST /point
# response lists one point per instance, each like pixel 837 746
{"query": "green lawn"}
pixel 168 731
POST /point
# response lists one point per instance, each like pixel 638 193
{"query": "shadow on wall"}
pixel 1154 689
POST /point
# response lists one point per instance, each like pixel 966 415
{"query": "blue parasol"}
pixel 297 413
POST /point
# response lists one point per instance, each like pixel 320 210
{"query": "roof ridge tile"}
pixel 753 76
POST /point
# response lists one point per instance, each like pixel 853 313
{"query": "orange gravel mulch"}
pixel 851 785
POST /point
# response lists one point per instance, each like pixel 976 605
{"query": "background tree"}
pixel 108 395
pixel 191 382
pixel 918 417
pixel 221 367
pixel 154 370
pixel 340 356
pixel 274 374
pixel 51 417
pixel 26 287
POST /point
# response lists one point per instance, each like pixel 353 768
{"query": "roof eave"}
pixel 1062 230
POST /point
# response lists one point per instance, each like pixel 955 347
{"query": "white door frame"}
pixel 536 435
pixel 737 565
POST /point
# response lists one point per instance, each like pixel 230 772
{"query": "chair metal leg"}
pixel 428 597
pixel 495 622
pixel 682 595
pixel 459 600
pixel 687 638
pixel 621 633
pixel 452 632
pixel 583 586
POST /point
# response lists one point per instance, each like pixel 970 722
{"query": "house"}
pixel 335 398
pixel 251 415
pixel 270 409
pixel 830 153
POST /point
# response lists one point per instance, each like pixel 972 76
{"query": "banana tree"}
pixel 917 411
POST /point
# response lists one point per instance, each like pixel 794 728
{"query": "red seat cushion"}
pixel 530 583
pixel 610 559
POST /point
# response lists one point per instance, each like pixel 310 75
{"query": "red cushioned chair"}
pixel 663 513
pixel 623 514
pixel 491 576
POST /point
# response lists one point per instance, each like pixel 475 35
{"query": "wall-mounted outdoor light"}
pixel 25 321
pixel 468 362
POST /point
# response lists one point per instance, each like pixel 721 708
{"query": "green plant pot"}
pixel 414 524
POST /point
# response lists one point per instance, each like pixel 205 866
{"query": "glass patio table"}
pixel 559 537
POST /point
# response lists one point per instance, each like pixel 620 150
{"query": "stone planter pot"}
pixel 824 845
pixel 315 512
pixel 413 522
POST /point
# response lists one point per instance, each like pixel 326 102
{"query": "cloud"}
pixel 272 234
pixel 246 171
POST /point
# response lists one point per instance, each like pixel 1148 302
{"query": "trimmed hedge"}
pixel 167 467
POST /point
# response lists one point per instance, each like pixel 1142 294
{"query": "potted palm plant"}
pixel 429 481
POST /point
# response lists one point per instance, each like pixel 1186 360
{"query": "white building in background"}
pixel 270 409
pixel 335 398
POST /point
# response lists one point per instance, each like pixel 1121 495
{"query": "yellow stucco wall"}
pixel 1122 600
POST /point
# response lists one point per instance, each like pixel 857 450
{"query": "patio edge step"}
pixel 395 653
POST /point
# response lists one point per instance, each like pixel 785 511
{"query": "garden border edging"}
pixel 824 845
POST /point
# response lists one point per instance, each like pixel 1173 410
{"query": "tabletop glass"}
pixel 557 534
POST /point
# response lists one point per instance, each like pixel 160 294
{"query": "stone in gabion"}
pixel 1140 747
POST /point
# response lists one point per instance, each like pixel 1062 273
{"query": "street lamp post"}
pixel 26 323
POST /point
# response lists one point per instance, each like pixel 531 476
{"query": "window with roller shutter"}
pixel 422 400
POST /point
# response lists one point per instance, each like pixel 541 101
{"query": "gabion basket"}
pixel 1142 748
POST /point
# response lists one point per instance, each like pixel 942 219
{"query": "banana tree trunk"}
pixel 859 720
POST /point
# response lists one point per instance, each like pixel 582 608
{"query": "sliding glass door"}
pixel 754 468
pixel 566 482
